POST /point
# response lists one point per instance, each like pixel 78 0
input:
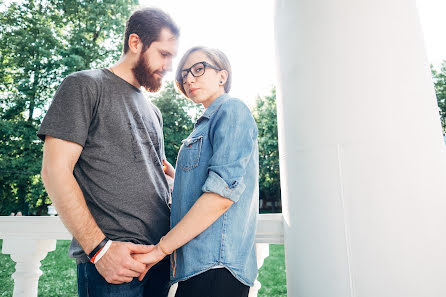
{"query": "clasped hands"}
pixel 125 261
pixel 150 259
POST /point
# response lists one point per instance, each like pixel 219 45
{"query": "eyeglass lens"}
pixel 196 70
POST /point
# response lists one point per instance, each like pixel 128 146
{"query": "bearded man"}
pixel 102 162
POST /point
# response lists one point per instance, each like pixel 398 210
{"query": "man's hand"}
pixel 150 259
pixel 117 265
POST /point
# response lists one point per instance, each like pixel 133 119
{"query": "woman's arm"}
pixel 206 210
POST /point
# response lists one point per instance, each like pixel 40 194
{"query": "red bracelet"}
pixel 97 249
pixel 94 257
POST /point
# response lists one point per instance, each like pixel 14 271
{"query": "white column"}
pixel 363 163
pixel 27 253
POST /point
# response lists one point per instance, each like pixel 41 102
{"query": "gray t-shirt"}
pixel 120 167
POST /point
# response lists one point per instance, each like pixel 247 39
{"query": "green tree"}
pixel 40 43
pixel 440 89
pixel 179 115
pixel 96 30
pixel 28 46
pixel 265 115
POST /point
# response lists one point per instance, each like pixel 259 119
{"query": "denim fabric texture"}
pixel 219 156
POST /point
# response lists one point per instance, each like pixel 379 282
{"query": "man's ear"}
pixel 135 43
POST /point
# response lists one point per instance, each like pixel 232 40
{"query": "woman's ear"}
pixel 223 76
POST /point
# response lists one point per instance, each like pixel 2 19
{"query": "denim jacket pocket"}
pixel 190 152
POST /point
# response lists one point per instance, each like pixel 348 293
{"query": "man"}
pixel 102 162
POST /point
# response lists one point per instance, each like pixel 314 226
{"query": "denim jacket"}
pixel 219 156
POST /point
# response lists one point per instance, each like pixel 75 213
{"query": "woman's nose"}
pixel 189 77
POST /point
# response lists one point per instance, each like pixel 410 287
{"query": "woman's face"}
pixel 203 89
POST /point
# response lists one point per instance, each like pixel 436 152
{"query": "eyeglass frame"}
pixel 189 70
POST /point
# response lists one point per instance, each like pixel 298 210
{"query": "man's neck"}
pixel 123 69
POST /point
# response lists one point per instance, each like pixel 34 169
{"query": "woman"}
pixel 215 195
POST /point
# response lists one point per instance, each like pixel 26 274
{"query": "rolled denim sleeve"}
pixel 233 135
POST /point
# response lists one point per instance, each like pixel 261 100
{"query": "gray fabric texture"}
pixel 120 167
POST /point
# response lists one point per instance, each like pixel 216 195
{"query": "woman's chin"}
pixel 195 99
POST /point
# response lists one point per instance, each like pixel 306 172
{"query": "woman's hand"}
pixel 150 259
pixel 168 169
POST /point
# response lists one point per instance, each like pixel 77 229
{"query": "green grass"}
pixel 272 273
pixel 59 273
pixel 6 269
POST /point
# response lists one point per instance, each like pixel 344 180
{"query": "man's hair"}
pixel 147 23
pixel 217 57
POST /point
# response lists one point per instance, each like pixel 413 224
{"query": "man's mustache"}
pixel 161 73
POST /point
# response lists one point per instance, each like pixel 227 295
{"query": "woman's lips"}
pixel 192 90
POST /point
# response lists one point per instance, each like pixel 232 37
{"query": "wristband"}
pixel 102 252
pixel 97 248
pixel 161 248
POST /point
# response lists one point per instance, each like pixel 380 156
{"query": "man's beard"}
pixel 145 76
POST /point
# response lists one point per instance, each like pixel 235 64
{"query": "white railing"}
pixel 29 239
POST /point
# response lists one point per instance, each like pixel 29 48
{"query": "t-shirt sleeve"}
pixel 70 112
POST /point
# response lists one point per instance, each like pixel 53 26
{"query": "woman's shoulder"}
pixel 233 104
pixel 235 111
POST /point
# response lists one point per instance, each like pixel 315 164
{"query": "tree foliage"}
pixel 440 89
pixel 265 115
pixel 40 43
pixel 179 116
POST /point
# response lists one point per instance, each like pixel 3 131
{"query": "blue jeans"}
pixel 155 284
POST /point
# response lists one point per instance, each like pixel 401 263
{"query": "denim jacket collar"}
pixel 209 112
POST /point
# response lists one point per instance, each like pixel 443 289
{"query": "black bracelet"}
pixel 97 248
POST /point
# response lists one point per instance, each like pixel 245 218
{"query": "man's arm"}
pixel 59 158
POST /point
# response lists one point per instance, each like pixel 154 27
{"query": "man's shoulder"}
pixel 90 75
pixel 91 80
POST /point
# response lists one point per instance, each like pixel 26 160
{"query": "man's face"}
pixel 155 61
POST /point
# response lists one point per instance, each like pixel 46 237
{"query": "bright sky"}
pixel 244 31
pixel 433 23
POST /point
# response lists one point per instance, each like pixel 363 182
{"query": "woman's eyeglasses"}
pixel 196 70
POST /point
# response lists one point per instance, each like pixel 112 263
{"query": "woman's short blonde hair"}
pixel 218 59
